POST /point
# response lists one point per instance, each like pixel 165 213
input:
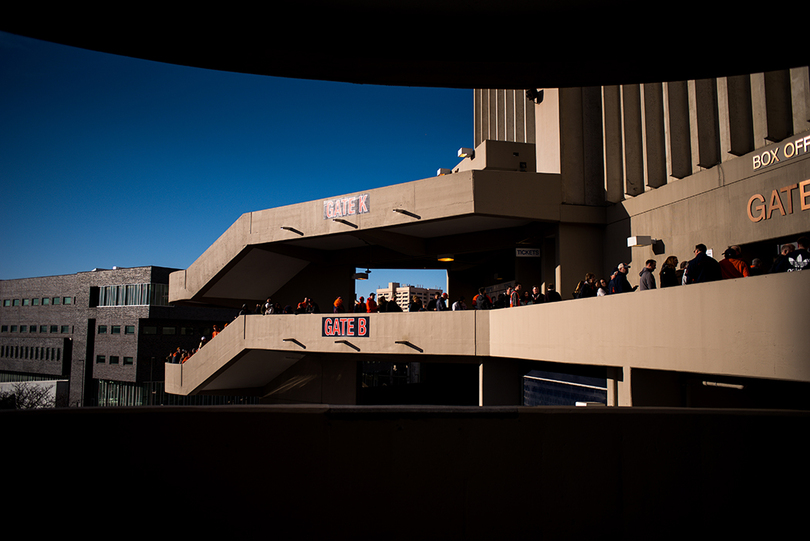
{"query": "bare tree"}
pixel 28 395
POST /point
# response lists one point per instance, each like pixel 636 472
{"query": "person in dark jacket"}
pixel 551 295
pixel 586 287
pixel 703 268
pixel 669 272
pixel 619 283
pixel 781 263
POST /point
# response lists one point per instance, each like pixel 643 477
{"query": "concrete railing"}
pixel 715 328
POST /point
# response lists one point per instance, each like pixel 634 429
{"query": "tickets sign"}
pixel 345 206
pixel 346 326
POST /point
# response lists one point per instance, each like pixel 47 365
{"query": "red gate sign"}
pixel 346 326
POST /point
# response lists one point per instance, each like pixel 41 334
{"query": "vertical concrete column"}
pixel 654 138
pixel 593 165
pixel 735 116
pixel 481 383
pixel 800 91
pixel 581 251
pixel 547 131
pixel 778 105
pixel 704 123
pixel 613 154
pixel 573 180
pixel 493 114
pixel 500 382
pixel 759 112
pixel 528 115
pixel 613 376
pixel 679 163
pixel 510 116
pixel 633 140
pixel 479 119
pixel 550 262
pixel 503 115
pixel 623 388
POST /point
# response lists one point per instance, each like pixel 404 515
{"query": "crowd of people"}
pixel 180 356
pixel 701 268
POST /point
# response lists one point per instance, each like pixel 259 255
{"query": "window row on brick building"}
pixel 114 359
pixel 39 329
pixel 34 353
pixel 38 301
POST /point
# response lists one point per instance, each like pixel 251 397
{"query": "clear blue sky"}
pixel 107 160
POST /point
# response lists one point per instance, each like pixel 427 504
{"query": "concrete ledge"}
pixel 665 329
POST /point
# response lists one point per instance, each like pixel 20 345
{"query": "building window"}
pixel 46 301
pixel 35 302
pixel 100 359
pixel 13 328
pixel 54 328
pixel 129 329
pixel 102 329
pixel 3 328
pixel 43 328
pixel 23 328
pixel 67 300
pixel 56 300
pixel 7 302
pixel 169 330
pixel 26 302
pixel 115 329
pixel 134 295
pixel 113 359
pixel 128 360
pixel 65 329
pixel 16 302
pixel 33 328
pixel 149 330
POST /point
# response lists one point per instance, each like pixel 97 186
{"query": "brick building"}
pixel 108 332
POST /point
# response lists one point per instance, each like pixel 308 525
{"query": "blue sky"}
pixel 107 160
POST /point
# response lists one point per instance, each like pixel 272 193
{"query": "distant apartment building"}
pixel 403 294
pixel 106 332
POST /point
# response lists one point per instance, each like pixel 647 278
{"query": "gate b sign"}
pixel 345 326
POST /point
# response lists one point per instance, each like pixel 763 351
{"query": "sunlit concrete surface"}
pixel 713 328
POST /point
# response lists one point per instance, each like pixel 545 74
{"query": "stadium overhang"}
pixel 456 44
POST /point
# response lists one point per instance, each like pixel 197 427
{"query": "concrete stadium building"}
pixel 699 142
pixel 562 182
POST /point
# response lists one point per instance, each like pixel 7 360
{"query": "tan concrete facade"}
pixel 715 329
pixel 720 162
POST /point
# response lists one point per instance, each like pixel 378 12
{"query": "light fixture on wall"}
pixel 441 172
pixel 361 275
pixel 657 245
pixel 407 213
pixel 446 258
pixel 466 153
pixel 639 240
pixel 344 222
